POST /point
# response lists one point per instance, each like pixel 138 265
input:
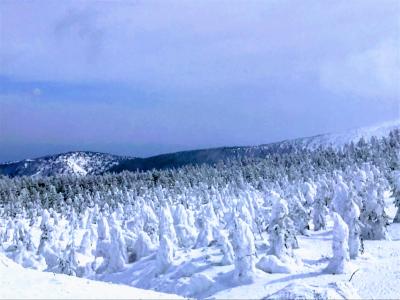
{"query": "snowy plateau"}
pixel 311 218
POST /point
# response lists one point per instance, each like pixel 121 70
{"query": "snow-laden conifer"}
pixel 165 255
pixel 339 263
pixel 281 232
pixel 245 251
pixel 373 215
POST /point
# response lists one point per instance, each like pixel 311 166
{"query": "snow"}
pixel 272 264
pixel 377 276
pixel 216 238
pixel 198 273
pixel 338 140
pixel 303 291
pixel 17 283
pixel 77 165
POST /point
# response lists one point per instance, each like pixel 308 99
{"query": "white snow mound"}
pixel 272 264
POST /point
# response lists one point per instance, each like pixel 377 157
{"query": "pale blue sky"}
pixel 146 77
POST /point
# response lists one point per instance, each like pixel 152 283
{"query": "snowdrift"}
pixel 17 282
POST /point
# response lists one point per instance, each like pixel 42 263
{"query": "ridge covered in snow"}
pixel 337 140
pixel 83 163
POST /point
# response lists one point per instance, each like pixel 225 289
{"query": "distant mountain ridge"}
pixel 83 163
pixel 79 163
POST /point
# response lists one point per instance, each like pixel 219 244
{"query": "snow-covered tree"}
pixel 339 263
pixel 185 233
pixel 165 255
pixel 245 251
pixel 320 208
pixel 226 247
pixel 352 219
pixel 103 230
pixel 167 228
pixel 103 244
pixel 206 222
pixel 68 262
pixel 117 251
pixel 281 232
pixel 143 246
pixel 341 196
pixel 86 244
pixel 373 215
pixel 299 213
pixel 396 195
pixel 46 240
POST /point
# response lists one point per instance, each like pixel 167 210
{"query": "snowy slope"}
pixel 17 283
pixel 337 140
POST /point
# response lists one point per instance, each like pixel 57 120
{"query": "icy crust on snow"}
pixel 17 283
pixel 296 291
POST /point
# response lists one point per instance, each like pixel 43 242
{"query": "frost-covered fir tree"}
pixel 320 209
pixel 46 248
pixel 245 251
pixel 373 215
pixel 103 243
pixel 396 194
pixel 206 222
pixel 165 255
pixel 345 204
pixel 167 228
pixel 299 213
pixel 111 246
pixel 21 244
pixel 185 233
pixel 340 196
pixel 86 244
pixel 68 262
pixel 225 246
pixel 309 192
pixel 339 263
pixel 352 219
pixel 281 232
pixel 103 230
pixel 143 246
pixel 9 232
pixel 117 251
pixel 150 221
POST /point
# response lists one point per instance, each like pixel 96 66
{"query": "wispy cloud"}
pixel 374 72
